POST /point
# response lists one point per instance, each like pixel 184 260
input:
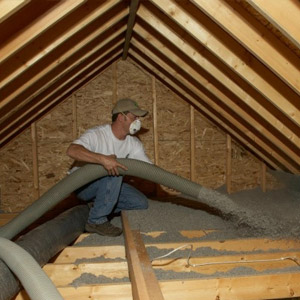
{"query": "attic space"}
pixel 220 80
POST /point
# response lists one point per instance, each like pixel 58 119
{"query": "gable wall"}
pixel 93 106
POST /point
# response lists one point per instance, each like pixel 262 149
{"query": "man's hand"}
pixel 110 163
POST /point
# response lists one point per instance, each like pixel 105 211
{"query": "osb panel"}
pixel 173 116
pixel 136 84
pixel 16 180
pixel 174 156
pixel 54 133
pixel 210 153
pixel 94 102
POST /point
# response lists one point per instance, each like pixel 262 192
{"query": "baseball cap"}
pixel 127 104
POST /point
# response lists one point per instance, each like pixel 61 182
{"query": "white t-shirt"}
pixel 101 139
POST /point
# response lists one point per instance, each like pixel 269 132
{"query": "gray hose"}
pixel 43 243
pixel 28 271
pixel 220 202
pixel 87 174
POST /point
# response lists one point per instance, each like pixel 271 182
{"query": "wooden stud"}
pixel 74 116
pixel 155 133
pixel 115 82
pixel 192 137
pixel 263 177
pixel 35 166
pixel 228 163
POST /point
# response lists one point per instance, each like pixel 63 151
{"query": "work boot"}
pixel 106 229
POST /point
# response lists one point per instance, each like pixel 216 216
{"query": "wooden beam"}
pixel 192 143
pixel 61 10
pixel 74 116
pixel 7 8
pixel 115 82
pixel 65 70
pixel 263 181
pixel 61 61
pixel 35 166
pixel 238 60
pixel 211 102
pixel 255 37
pixel 154 113
pixel 206 111
pixel 200 58
pixel 131 20
pixel 228 163
pixel 144 283
pixel 283 15
pixel 45 107
pixel 16 66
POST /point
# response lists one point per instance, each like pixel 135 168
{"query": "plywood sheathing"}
pixel 94 103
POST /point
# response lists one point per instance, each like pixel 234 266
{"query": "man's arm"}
pixel 109 162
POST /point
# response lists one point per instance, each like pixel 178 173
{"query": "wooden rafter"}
pixel 200 59
pixel 212 114
pixel 255 37
pixel 283 15
pixel 177 61
pixel 247 67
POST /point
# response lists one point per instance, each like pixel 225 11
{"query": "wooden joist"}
pixel 269 269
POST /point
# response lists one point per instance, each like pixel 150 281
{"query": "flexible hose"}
pixel 137 168
pixel 87 174
pixel 28 271
pixel 43 243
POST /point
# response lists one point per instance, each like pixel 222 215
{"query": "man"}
pixel 102 145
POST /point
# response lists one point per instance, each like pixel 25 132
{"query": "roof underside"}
pixel 238 62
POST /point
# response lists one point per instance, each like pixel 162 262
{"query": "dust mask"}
pixel 135 126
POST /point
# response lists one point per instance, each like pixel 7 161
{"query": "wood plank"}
pixel 200 58
pixel 19 66
pixel 211 102
pixel 238 61
pixel 285 20
pixel 255 37
pixel 7 8
pixel 209 265
pixel 40 25
pixel 61 61
pixel 228 163
pixel 144 283
pixel 238 288
pixel 213 115
pixel 35 165
pixel 192 143
pixel 65 274
pixel 72 76
pixel 71 254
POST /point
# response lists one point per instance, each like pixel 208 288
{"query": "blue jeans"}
pixel 111 195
